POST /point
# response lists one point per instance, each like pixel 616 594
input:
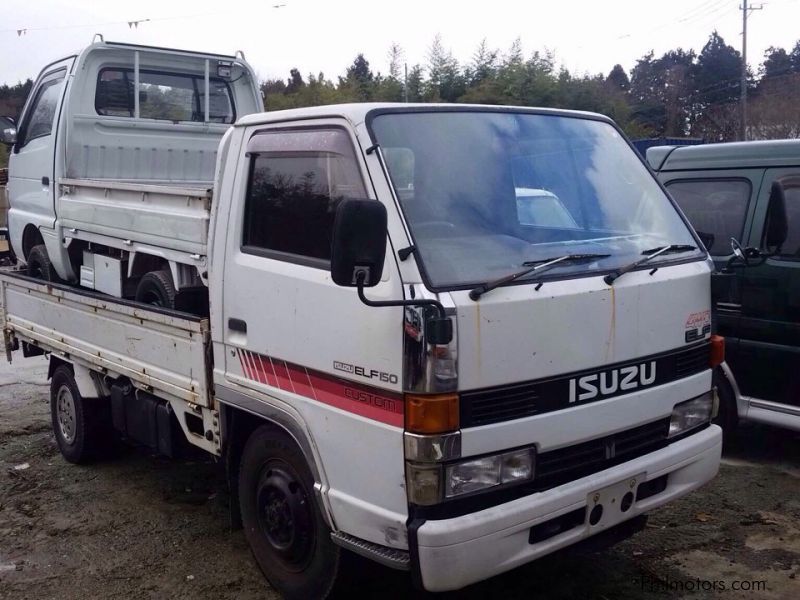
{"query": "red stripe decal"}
pixel 271 371
pixel 300 381
pixel 373 403
pixel 266 369
pixel 282 374
pixel 243 361
pixel 251 365
pixel 261 376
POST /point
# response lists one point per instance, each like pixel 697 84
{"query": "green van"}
pixel 744 201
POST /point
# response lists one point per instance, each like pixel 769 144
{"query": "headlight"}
pixel 431 483
pixel 488 472
pixel 690 414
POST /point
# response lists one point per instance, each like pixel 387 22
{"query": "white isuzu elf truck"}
pixel 451 339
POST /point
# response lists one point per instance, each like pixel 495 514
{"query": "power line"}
pixel 131 23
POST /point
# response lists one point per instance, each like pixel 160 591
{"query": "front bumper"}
pixel 453 553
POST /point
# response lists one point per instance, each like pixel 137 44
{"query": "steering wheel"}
pixel 737 249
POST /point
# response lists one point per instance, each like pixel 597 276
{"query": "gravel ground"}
pixel 139 526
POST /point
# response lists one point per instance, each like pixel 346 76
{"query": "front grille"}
pixel 573 462
pixel 528 398
pixel 493 406
pixel 692 361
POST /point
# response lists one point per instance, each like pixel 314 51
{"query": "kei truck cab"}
pixel 451 339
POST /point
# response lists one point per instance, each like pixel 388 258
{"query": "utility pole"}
pixel 405 83
pixel 746 10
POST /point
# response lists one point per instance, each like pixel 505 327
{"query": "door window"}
pixel 297 179
pixel 714 206
pixel 43 110
pixel 791 247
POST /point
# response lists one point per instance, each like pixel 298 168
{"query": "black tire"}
pixel 728 414
pixel 282 521
pixel 157 288
pixel 39 265
pixel 81 425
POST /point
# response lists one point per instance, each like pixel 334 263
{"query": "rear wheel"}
pixel 282 520
pixel 39 265
pixel 81 425
pixel 156 288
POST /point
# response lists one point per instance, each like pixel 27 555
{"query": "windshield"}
pixel 485 192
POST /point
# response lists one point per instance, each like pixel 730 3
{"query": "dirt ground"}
pixel 139 526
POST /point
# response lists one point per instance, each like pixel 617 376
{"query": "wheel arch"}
pixel 87 386
pixel 240 416
pixel 31 236
pixel 724 371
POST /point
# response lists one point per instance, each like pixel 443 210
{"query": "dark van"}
pixel 744 201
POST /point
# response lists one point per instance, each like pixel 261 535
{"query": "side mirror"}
pixel 8 131
pixel 358 248
pixel 776 227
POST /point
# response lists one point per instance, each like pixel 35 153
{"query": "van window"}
pixel 43 109
pixel 297 179
pixel 714 206
pixel 163 96
pixel 791 247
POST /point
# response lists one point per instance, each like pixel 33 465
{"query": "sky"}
pixel 325 35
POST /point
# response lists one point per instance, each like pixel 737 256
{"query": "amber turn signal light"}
pixel 717 350
pixel 433 413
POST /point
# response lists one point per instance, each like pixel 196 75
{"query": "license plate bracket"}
pixel 613 504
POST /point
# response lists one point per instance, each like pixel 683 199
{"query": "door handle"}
pixel 237 325
pixel 45 180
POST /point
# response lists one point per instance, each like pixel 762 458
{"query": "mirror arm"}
pixel 439 331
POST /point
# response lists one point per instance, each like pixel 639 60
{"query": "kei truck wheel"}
pixel 79 424
pixel 39 265
pixel 282 521
pixel 157 288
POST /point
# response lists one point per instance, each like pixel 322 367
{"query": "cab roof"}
pixel 731 155
pixel 357 113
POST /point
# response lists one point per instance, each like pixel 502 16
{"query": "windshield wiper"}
pixel 649 254
pixel 531 266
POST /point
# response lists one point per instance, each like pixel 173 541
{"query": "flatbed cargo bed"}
pixel 165 351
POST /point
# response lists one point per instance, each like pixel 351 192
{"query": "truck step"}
pixel 390 557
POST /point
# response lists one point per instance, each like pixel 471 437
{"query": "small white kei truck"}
pixel 451 339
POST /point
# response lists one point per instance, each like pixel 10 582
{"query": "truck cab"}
pixel 729 191
pixel 112 165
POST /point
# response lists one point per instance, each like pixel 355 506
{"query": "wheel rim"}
pixel 153 299
pixel 65 414
pixel 285 517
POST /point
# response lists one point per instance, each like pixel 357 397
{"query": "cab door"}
pixel 31 182
pixel 722 205
pixel 295 340
pixel 768 362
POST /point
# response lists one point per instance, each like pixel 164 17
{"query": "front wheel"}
pixel 282 521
